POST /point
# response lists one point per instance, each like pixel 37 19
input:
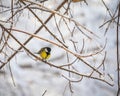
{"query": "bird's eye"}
pixel 49 49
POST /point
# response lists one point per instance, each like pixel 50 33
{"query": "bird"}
pixel 45 53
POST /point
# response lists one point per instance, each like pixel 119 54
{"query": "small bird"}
pixel 44 53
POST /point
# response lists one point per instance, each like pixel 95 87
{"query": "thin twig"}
pixel 73 81
pixel 12 75
pixel 44 93
pixel 59 30
pixel 117 48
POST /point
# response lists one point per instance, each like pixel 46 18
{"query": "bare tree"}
pixel 67 29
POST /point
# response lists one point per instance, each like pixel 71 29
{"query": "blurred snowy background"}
pixel 34 78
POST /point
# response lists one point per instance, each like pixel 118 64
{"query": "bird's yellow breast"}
pixel 44 55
